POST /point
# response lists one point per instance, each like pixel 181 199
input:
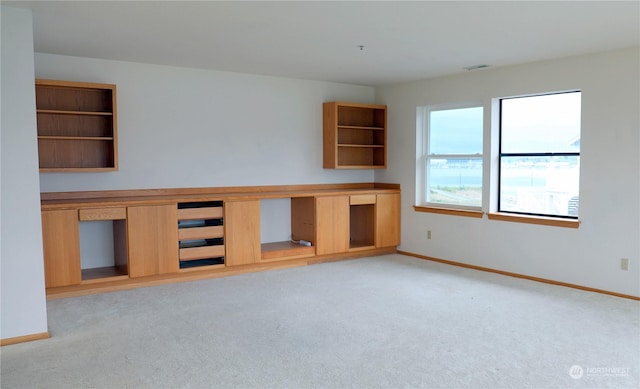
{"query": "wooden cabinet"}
pixel 332 224
pixel 242 232
pixel 171 236
pixel 153 240
pixel 357 222
pixel 77 126
pixel 354 136
pixel 387 220
pixel 61 247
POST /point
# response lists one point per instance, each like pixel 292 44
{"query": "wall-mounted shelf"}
pixel 354 135
pixel 77 126
pixel 61 112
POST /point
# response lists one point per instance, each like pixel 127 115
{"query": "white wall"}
pixel 23 309
pixel 275 220
pixel 609 181
pixel 180 127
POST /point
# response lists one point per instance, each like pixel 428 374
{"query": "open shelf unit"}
pixel 302 228
pixel 362 222
pixel 354 136
pixel 201 234
pixel 361 227
pixel 77 126
pixel 116 266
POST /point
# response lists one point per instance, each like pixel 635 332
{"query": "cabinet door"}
pixel 242 232
pixel 153 240
pixel 388 220
pixel 332 224
pixel 61 246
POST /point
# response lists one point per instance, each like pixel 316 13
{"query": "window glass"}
pixel 455 181
pixel 540 154
pixel 547 123
pixel 452 160
pixel 456 131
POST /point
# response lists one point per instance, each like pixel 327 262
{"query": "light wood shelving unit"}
pixel 354 136
pixel 77 126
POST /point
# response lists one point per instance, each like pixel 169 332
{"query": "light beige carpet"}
pixel 382 322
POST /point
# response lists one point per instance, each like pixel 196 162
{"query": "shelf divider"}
pixel 57 137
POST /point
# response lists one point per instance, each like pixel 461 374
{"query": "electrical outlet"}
pixel 624 263
pixel 428 234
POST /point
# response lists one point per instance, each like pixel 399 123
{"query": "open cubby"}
pixel 201 234
pixel 57 153
pixel 361 115
pixel 361 227
pixel 76 124
pixel 103 250
pixel 52 124
pixel 361 137
pixel 72 96
pixel 360 156
pixel 302 227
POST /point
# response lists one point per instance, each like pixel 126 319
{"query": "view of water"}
pixel 456 178
pixel 539 190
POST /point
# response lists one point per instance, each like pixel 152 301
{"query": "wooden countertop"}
pixel 130 197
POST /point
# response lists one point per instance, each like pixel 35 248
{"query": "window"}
pixel 540 155
pixel 450 163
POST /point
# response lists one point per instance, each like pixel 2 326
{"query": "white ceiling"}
pixel 402 41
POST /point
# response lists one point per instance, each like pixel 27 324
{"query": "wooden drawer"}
pixel 193 253
pixel 200 213
pixel 200 232
pixel 362 199
pixel 114 213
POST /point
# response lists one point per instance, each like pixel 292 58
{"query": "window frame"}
pixel 422 180
pixel 520 214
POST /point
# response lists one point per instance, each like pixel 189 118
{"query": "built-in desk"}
pixel 170 235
